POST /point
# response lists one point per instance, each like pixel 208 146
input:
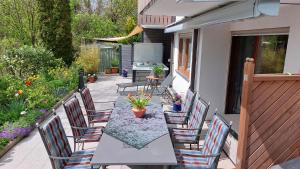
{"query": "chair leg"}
pixel 190 146
pixel 74 146
pixel 82 146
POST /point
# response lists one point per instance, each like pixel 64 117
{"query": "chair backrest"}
pixel 197 116
pixel 75 116
pixel 55 141
pixel 188 102
pixel 167 81
pixel 88 102
pixel 215 138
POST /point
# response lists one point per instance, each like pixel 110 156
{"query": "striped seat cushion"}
pixel 56 141
pixel 100 118
pixel 188 159
pixel 92 134
pixel 184 136
pixel 215 137
pixel 88 101
pixel 75 116
pixel 187 104
pixel 175 120
pixel 84 162
pixel 197 117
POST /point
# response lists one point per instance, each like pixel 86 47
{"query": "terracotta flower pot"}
pixel 114 70
pixel 107 71
pixel 91 79
pixel 139 113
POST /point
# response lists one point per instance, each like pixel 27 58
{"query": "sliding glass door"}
pixel 269 54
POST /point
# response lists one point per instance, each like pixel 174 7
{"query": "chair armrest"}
pixel 85 128
pixel 202 155
pixel 99 111
pixel 182 129
pixel 66 158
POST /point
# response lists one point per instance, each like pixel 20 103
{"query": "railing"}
pixel 155 20
pixel 270 119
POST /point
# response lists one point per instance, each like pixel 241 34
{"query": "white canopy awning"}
pixel 230 12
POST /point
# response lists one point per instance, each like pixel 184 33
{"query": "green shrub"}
pixel 28 60
pixel 115 63
pixel 3 142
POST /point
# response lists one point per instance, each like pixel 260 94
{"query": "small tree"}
pixel 55 28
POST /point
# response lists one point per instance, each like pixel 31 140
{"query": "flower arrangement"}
pixel 177 102
pixel 92 78
pixel 139 103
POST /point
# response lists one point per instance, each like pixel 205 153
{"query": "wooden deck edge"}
pixel 12 143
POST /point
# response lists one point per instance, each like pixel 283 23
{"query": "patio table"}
pixel 112 151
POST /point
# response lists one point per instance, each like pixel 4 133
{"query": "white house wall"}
pixel 288 17
pixel 213 59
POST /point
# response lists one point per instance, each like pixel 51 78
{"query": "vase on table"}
pixel 176 107
pixel 139 113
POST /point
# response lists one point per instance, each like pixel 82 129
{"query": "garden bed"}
pixel 42 118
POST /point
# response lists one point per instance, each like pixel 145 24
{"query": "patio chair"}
pixel 58 147
pixel 182 117
pixel 209 155
pixel 162 89
pixel 81 132
pixel 191 134
pixel 94 116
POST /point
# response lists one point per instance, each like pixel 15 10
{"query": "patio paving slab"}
pixel 30 153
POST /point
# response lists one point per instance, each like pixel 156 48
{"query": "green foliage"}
pixel 55 28
pixel 28 119
pixel 115 62
pixel 139 102
pixel 92 26
pixel 3 142
pixel 19 21
pixel 89 59
pixel 158 70
pixel 28 60
pixel 11 112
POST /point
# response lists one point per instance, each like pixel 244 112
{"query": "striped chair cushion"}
pixel 189 98
pixel 101 117
pixel 216 135
pixel 92 134
pixel 75 116
pixel 88 101
pixel 56 141
pixel 81 163
pixel 185 159
pixel 197 117
pixel 175 120
pixel 184 136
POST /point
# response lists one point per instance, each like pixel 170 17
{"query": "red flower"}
pixel 28 83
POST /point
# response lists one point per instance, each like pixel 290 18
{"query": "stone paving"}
pixel 30 153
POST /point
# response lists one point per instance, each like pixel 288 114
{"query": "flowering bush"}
pixel 177 99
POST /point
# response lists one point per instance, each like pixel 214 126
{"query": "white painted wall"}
pixel 213 59
pixel 288 17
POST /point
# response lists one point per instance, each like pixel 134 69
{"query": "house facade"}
pixel 211 41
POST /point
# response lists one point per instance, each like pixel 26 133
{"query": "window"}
pixel 268 52
pixel 184 55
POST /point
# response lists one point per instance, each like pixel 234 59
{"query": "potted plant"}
pixel 177 103
pixel 115 66
pixel 138 104
pixel 125 73
pixel 107 70
pixel 158 70
pixel 92 78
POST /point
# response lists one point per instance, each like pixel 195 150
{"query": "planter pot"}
pixel 107 71
pixel 139 113
pixel 176 107
pixel 91 79
pixel 124 73
pixel 114 70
